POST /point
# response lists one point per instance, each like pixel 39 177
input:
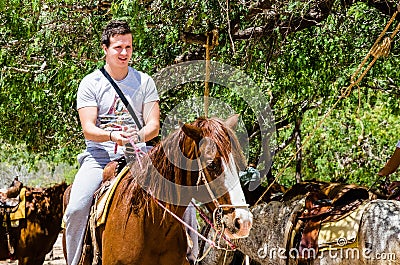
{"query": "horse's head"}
pixel 215 151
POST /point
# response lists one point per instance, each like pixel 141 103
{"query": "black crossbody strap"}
pixel 122 97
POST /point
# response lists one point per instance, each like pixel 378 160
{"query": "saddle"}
pixel 7 202
pixel 10 202
pixel 328 205
pixel 9 198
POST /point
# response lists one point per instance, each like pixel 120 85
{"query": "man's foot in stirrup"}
pixel 191 259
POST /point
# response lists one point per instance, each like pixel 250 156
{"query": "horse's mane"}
pixel 164 160
pixel 45 201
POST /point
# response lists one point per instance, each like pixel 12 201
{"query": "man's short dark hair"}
pixel 114 27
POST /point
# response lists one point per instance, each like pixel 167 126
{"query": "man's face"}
pixel 119 52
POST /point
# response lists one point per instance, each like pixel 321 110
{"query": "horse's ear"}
pixel 193 132
pixel 232 121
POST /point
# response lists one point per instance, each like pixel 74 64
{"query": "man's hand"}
pixel 125 136
pixel 394 186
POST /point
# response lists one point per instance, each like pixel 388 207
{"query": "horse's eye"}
pixel 212 166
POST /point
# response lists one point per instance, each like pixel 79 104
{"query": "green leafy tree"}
pixel 300 54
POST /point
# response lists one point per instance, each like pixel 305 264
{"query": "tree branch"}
pixel 317 12
pixel 20 70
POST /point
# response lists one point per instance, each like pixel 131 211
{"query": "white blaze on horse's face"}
pixel 241 220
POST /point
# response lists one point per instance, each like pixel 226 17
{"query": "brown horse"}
pixel 199 161
pixel 38 231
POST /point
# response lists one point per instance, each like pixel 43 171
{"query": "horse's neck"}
pixel 173 211
pixel 180 211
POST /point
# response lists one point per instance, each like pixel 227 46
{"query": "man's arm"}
pixel 151 117
pixel 88 117
pixel 392 165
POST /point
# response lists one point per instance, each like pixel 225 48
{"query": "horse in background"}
pixel 35 234
pixel 199 160
pixel 378 236
pixel 378 229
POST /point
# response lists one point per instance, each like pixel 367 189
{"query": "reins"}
pixel 137 151
pixel 183 222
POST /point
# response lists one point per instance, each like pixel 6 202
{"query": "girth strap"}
pixel 95 245
pixel 6 212
pixel 8 228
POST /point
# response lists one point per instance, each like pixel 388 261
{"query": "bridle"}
pixel 218 211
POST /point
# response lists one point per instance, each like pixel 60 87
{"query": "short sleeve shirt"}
pixel 96 91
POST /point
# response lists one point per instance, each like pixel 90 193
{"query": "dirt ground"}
pixel 56 259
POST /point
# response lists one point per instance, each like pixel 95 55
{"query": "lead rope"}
pixel 377 51
pixel 226 254
pixel 183 222
pixel 208 221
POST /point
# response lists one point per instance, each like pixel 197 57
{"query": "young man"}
pixel 105 123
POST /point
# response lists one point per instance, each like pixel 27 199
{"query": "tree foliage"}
pixel 300 54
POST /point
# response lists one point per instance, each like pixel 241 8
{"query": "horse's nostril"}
pixel 237 223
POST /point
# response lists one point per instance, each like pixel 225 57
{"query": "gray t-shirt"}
pixel 96 91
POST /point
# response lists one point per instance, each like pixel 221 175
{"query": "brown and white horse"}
pixel 200 160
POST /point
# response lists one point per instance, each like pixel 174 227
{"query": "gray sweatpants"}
pixel 190 218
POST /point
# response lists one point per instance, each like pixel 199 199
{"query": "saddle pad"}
pixel 342 233
pixel 103 202
pixel 20 212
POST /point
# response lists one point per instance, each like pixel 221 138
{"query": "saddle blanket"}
pixel 103 199
pixel 342 233
pixel 102 202
pixel 15 216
